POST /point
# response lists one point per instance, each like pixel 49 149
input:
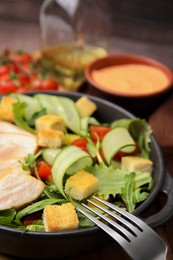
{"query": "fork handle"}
pixel 167 211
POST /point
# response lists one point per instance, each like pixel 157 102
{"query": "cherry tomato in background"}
pixel 7 86
pixel 19 72
pixel 21 57
pixel 44 84
pixel 4 69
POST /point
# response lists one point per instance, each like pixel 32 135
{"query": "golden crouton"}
pixel 133 163
pixel 6 108
pixel 50 121
pixel 50 138
pixel 81 185
pixel 60 217
pixel 85 106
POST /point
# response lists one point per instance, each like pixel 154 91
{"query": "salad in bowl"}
pixel 55 153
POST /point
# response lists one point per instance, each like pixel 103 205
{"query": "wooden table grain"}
pixel 13 35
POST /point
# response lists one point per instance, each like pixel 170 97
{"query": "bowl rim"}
pixel 134 59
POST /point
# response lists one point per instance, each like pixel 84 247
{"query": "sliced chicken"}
pixel 8 163
pixel 18 189
pixel 7 127
pixel 16 145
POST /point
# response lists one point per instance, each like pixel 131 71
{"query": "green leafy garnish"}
pixel 19 112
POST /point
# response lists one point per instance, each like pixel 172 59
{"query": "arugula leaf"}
pixel 52 191
pixel 30 160
pixel 19 112
pixel 31 121
pixel 37 206
pixel 7 216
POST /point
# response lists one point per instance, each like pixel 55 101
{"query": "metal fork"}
pixel 138 240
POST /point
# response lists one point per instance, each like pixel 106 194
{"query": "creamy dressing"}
pixel 131 78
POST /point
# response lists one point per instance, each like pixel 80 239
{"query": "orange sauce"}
pixel 131 78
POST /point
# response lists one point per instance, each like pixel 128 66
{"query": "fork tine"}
pixel 121 230
pixel 133 219
pixel 120 239
pixel 133 229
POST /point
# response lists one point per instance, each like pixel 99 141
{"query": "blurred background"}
pixel 137 26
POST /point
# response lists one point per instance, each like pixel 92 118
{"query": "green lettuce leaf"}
pixel 139 195
pixel 122 183
pixel 127 191
pixel 110 181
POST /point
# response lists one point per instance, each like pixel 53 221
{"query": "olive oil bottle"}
pixel 73 34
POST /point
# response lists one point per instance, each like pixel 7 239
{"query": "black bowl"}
pixel 42 245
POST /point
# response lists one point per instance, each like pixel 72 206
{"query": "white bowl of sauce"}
pixel 126 78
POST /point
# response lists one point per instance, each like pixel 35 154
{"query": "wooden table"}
pixel 15 36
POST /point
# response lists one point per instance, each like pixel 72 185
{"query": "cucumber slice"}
pixel 33 105
pixel 85 122
pixel 50 103
pixel 61 106
pixel 49 155
pixel 71 114
pixel 116 140
pixel 71 157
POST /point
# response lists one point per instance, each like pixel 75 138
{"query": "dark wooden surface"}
pixel 24 33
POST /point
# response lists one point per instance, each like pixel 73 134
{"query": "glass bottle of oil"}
pixel 73 34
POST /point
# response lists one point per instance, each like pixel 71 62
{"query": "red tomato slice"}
pixel 44 170
pixel 28 220
pixel 98 132
pixel 7 86
pixel 81 143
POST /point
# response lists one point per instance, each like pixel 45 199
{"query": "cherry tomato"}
pixel 7 86
pixel 4 69
pixel 29 219
pixel 81 143
pixel 21 57
pixel 44 170
pixel 98 132
pixel 118 156
pixel 24 80
pixel 45 84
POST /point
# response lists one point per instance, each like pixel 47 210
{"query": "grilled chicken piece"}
pixel 7 127
pixel 18 189
pixel 16 145
pixel 9 163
